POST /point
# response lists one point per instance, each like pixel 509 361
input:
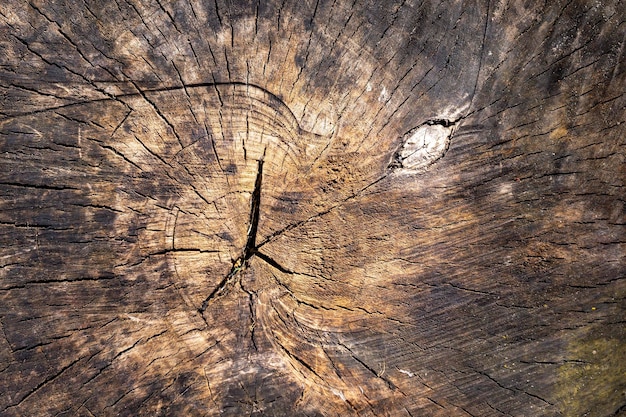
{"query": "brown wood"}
pixel 312 208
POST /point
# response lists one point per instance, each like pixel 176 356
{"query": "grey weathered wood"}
pixel 221 208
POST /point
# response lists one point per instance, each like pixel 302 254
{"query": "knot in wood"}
pixel 424 145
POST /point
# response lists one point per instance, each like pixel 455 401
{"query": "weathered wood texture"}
pixel 301 208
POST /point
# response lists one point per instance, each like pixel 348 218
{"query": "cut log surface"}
pixel 312 208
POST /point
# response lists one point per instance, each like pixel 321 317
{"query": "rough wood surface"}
pixel 312 208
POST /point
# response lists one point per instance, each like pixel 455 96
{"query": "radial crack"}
pixel 255 205
pixel 273 263
pixel 250 248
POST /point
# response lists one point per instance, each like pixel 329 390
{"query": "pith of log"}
pixel 312 208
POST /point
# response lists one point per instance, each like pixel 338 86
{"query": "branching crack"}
pixel 250 249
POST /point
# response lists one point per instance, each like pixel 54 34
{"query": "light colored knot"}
pixel 424 145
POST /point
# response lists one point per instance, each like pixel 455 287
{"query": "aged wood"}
pixel 312 208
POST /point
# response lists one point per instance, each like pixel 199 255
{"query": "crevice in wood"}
pixel 252 310
pixel 40 186
pixel 255 206
pixel 273 263
pixel 222 286
pixel 250 249
pixel 46 381
pixel 299 360
pixel 379 374
pixel 141 92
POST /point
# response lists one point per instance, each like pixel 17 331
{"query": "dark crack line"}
pixel 379 375
pixel 255 210
pixel 273 263
pixel 252 310
pixel 250 249
pixel 40 186
pixel 148 90
pixel 222 286
pixel 49 379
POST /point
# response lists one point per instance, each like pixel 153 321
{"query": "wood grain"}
pixel 312 208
